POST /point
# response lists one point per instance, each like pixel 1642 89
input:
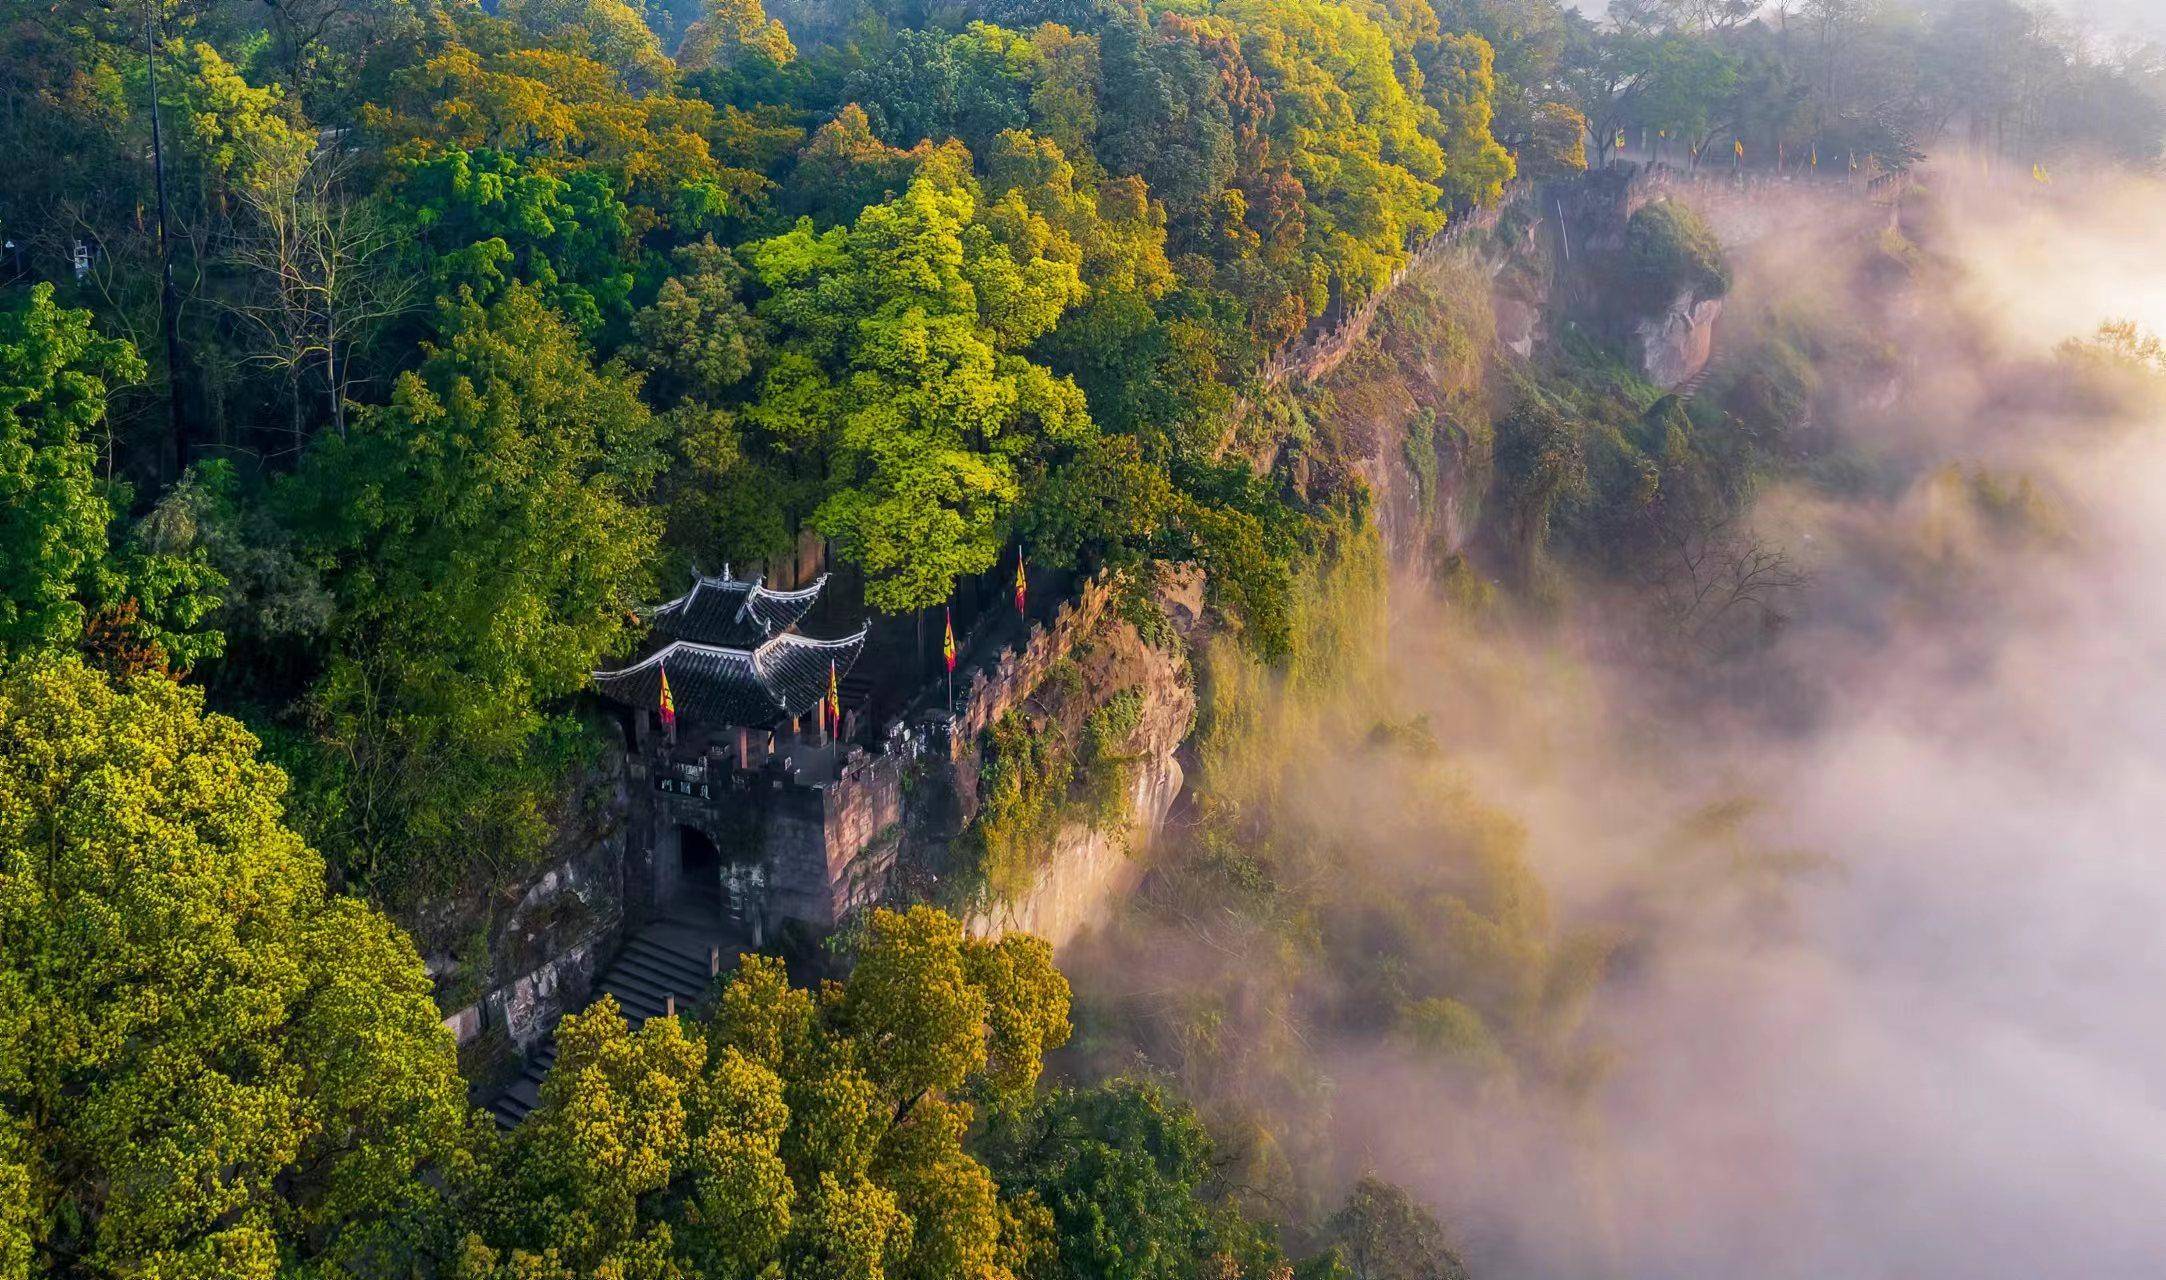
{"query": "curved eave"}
pixel 786 676
pixel 797 669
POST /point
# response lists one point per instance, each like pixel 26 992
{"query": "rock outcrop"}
pixel 1677 342
pixel 1091 864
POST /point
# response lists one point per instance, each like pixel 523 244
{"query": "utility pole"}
pixel 168 302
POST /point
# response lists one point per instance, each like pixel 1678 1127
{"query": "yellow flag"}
pixel 2040 176
pixel 1740 146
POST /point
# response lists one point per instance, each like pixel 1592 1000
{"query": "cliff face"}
pixel 1409 413
pixel 1068 672
pixel 1093 863
pixel 1404 408
pixel 508 963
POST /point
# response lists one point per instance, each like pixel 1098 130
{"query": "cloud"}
pixel 1949 1058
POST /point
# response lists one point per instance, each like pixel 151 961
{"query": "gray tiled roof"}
pixel 733 613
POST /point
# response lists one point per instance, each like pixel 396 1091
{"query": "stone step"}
pixel 668 973
pixel 692 959
pixel 683 946
pixel 514 1103
pixel 637 1000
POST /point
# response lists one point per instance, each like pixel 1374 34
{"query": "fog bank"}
pixel 1942 1054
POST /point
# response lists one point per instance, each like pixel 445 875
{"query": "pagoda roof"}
pixel 733 613
pixel 716 684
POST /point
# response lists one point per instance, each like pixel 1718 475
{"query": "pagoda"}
pixel 734 660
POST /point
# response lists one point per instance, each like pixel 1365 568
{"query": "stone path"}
pixel 1690 387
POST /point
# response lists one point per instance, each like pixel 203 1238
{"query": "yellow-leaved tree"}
pixel 809 1134
pixel 207 1061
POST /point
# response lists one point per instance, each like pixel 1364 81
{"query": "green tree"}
pixel 1161 117
pixel 610 32
pixel 483 537
pixel 844 168
pixel 900 377
pixel 932 87
pixel 730 33
pixel 55 373
pixel 1460 83
pixel 697 338
pixel 1124 1168
pixel 1556 143
pixel 1350 130
pixel 206 1061
pixel 482 219
pixel 1528 38
pixel 1382 1234
pixel 790 1135
pixel 487 84
pixel 61 563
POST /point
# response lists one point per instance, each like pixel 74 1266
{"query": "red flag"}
pixel 831 706
pixel 947 642
pixel 669 704
pixel 1021 583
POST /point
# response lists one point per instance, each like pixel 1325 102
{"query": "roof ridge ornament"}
pixel 744 607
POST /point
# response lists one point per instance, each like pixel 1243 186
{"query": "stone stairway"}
pixel 672 963
pixel 1690 387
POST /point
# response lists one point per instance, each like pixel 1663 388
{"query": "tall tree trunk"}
pixel 338 395
pixel 168 300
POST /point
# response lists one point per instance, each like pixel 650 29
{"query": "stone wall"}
pixel 546 951
pixel 829 846
pixel 509 958
pixel 528 1007
pixel 1746 208
pixel 996 688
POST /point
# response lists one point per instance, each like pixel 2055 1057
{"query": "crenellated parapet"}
pixel 997 687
